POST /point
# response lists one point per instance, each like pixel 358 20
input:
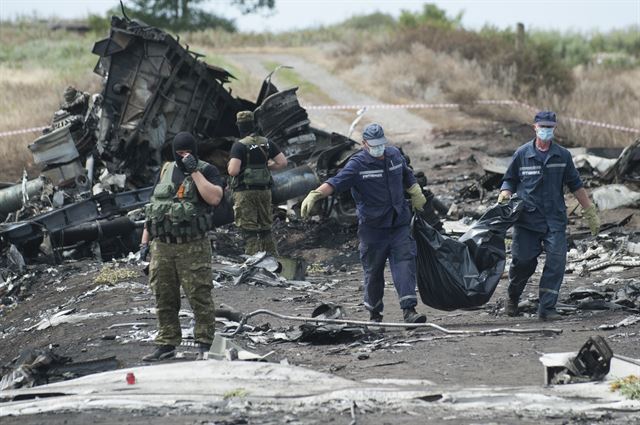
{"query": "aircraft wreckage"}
pixel 102 152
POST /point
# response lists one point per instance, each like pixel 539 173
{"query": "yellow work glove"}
pixel 591 215
pixel 308 203
pixel 417 197
pixel 504 197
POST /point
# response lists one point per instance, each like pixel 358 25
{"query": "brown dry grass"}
pixel 29 99
pixel 419 74
pixel 35 67
pixel 601 95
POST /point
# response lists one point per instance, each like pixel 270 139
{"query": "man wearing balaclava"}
pixel 178 218
pixel 538 172
pixel 378 177
pixel 252 159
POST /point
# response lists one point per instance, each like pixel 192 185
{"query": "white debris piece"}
pixel 65 316
pixel 614 196
pixel 598 163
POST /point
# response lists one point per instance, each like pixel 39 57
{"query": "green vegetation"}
pixel 628 387
pixel 110 274
pixel 615 49
pixel 292 79
pixel 179 15
pixel 24 47
pixel 235 393
pixel 430 15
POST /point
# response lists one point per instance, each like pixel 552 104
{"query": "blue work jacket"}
pixel 541 185
pixel 377 186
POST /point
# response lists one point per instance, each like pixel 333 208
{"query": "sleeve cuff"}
pixel 507 186
pixel 577 186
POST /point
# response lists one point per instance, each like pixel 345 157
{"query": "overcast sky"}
pixel 582 15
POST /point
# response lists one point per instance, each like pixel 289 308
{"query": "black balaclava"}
pixel 184 141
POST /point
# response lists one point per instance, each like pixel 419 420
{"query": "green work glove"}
pixel 591 215
pixel 417 197
pixel 308 203
pixel 504 197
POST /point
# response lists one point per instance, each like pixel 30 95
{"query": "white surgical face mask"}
pixel 376 151
pixel 545 133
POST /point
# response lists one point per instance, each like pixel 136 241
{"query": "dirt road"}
pixel 451 361
pixel 401 126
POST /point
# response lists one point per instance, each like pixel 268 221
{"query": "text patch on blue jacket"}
pixel 540 183
pixel 377 186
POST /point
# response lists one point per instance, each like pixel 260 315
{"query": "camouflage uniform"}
pixel 252 212
pixel 75 102
pixel 178 220
pixel 188 265
pixel 252 188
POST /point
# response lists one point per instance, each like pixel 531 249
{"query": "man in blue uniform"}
pixel 538 172
pixel 378 176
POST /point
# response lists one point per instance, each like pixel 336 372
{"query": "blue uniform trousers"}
pixel 396 244
pixel 527 246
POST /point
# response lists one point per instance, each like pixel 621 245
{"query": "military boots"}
pixel 162 352
pixel 412 316
pixel 512 307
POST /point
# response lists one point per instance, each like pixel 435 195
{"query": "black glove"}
pixel 144 251
pixel 190 163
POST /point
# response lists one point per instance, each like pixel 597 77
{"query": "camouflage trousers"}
pixel 253 216
pixel 187 265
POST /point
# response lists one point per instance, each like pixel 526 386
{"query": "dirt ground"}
pixel 461 361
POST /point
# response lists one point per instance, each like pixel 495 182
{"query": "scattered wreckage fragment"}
pixel 594 361
pixel 607 165
pixel 37 367
pixel 114 142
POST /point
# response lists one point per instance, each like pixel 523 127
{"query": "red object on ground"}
pixel 131 378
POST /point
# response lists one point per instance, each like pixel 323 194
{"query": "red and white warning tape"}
pixel 415 105
pixel 458 105
pixel 22 131
pixel 411 106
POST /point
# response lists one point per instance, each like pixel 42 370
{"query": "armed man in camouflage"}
pixel 75 102
pixel 252 158
pixel 177 220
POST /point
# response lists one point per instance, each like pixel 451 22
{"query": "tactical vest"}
pixel 177 211
pixel 254 176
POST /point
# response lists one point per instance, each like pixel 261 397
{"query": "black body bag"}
pixel 463 273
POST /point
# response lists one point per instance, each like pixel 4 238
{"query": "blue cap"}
pixel 374 135
pixel 545 118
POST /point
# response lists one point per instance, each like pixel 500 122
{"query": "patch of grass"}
pixel 244 85
pixel 628 387
pixel 111 274
pixel 235 393
pixel 290 78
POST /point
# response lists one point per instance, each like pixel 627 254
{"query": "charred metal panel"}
pixel 154 89
pixel 282 120
pixel 28 235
